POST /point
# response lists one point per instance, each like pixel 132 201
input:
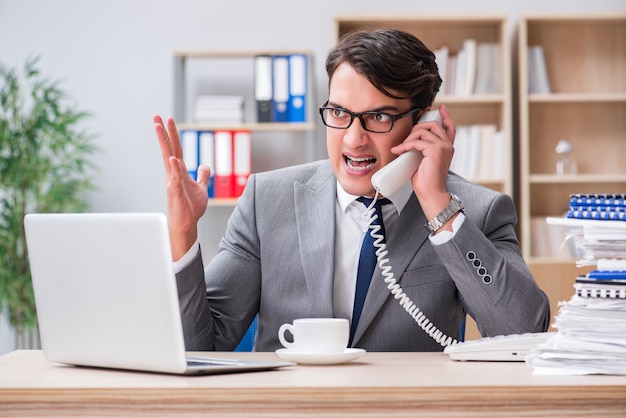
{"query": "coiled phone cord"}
pixel 392 283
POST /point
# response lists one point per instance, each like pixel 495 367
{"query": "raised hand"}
pixel 186 199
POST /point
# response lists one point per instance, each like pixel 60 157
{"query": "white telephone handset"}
pixel 387 181
pixel 391 177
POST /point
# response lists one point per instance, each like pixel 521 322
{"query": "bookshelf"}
pixel 585 62
pixel 232 72
pixel 452 31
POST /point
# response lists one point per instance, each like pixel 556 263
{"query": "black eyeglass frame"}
pixel 393 118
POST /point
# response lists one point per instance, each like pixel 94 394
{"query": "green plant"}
pixel 44 167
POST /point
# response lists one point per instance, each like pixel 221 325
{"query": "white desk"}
pixel 377 384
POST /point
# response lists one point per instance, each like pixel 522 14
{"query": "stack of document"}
pixel 591 337
pixel 219 109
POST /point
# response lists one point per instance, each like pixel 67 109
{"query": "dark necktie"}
pixel 367 263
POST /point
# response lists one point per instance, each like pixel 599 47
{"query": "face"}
pixel 355 154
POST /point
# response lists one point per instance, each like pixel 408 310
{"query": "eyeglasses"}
pixel 378 122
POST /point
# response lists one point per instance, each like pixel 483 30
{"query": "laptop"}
pixel 106 294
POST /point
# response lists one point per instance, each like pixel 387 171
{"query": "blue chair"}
pixel 247 342
pixel 463 329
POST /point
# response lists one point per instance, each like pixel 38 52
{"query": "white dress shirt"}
pixel 351 224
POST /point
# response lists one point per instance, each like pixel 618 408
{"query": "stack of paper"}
pixel 591 337
pixel 228 109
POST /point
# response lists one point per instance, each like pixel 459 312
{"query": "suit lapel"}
pixel 315 218
pixel 408 229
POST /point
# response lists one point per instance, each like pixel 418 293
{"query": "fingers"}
pixel 448 123
pixel 169 141
pixel 174 138
pixel 164 143
pixel 204 174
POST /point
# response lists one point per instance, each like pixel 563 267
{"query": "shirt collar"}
pixel 399 198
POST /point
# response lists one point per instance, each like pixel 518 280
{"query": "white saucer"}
pixel 348 354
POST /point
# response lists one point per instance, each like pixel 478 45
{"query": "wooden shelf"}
pixel 221 203
pixel 231 72
pixel 586 64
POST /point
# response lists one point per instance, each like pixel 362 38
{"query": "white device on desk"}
pixel 106 294
pixel 512 347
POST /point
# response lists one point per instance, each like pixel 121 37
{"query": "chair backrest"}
pixel 247 342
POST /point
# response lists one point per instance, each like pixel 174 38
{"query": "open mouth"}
pixel 360 163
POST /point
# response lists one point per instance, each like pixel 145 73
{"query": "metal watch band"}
pixel 444 216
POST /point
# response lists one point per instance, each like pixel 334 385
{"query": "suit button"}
pixel 470 255
pixel 487 279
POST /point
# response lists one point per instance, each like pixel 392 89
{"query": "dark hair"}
pixel 397 63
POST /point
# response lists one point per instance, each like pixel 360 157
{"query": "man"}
pixel 291 248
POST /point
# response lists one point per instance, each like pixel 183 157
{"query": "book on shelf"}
pixel 547 241
pixel 474 69
pixel 479 152
pixel 538 81
pixel 466 76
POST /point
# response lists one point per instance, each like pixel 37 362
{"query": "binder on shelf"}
pixel 297 88
pixel 206 144
pixel 280 98
pixel 242 160
pixel 223 164
pixel 189 145
pixel 263 87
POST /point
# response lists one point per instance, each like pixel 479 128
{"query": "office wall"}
pixel 114 57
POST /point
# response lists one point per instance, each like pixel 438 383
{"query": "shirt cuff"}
pixel 445 236
pixel 187 258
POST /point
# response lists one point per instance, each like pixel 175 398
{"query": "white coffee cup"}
pixel 316 335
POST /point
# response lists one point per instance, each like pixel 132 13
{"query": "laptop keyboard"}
pixel 203 362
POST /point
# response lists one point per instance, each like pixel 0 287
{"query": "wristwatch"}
pixel 444 216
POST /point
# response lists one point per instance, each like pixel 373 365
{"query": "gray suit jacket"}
pixel 277 260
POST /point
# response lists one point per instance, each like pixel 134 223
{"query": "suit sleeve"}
pixel 495 285
pixel 195 315
pixel 218 303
